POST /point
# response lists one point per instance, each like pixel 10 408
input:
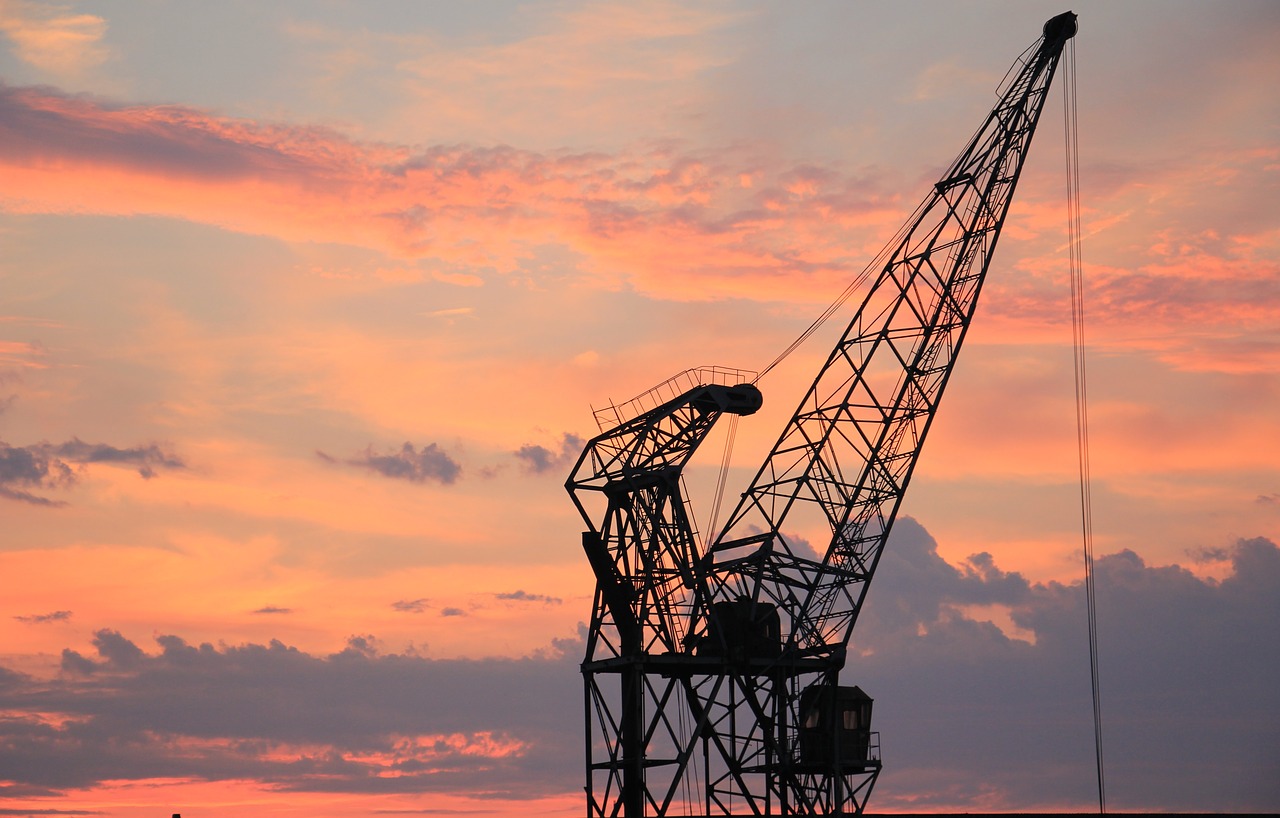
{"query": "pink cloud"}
pixel 52 38
pixel 665 220
pixel 651 217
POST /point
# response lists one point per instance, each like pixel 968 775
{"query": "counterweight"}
pixel 711 677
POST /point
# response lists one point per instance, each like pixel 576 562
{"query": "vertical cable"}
pixel 1074 232
pixel 688 769
pixel 723 478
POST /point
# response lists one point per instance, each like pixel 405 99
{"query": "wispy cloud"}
pixel 409 463
pixel 669 221
pixel 53 38
pixel 49 466
pixel 44 619
pixel 20 355
pixel 652 216
pixel 538 459
pixel 410 605
pixel 452 312
pixel 146 458
pixel 525 596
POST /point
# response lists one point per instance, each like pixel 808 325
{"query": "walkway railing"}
pixel 616 414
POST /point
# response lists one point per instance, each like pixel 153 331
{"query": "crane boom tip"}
pixel 1060 28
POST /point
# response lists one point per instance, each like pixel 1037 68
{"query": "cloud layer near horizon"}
pixel 968 715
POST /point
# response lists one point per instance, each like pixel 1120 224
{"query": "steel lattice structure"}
pixel 711 674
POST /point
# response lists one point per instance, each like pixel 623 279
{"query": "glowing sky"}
pixel 303 308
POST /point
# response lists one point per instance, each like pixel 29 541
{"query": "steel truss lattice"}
pixel 711 676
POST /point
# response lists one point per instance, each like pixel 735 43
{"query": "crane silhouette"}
pixel 711 675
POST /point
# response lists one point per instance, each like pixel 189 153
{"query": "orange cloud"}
pixel 21 355
pixel 669 222
pixel 653 218
pixel 52 38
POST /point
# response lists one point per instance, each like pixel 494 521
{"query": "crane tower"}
pixel 711 676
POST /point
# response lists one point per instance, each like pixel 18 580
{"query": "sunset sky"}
pixel 304 307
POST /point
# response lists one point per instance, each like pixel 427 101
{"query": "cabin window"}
pixel 851 719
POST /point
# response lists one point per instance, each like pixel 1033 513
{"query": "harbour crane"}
pixel 711 675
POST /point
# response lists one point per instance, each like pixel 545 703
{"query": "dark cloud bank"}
pixel 1190 670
